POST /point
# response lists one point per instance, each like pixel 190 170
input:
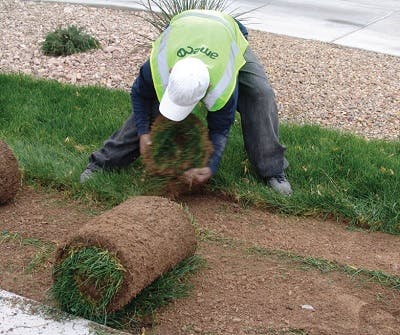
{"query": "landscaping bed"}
pixel 315 82
pixel 266 273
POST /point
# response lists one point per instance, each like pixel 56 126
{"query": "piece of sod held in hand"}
pixel 10 177
pixel 105 264
pixel 177 146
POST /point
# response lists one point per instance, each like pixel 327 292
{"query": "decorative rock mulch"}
pixel 315 82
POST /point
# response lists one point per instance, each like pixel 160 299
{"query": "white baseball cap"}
pixel 187 85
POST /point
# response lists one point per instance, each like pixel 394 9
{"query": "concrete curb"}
pixel 22 316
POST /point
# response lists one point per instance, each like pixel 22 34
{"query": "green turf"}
pixel 86 281
pixel 53 128
pixel 100 273
pixel 178 146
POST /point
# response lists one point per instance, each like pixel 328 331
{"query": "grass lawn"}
pixel 53 128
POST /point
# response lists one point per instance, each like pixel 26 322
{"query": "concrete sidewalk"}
pixel 22 316
pixel 365 24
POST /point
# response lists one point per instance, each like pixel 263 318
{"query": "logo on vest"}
pixel 182 52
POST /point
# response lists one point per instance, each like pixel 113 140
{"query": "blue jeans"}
pixel 259 118
pixel 122 147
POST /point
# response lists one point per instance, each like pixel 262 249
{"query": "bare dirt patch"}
pixel 245 294
pixel 238 292
pixel 305 236
pixel 30 223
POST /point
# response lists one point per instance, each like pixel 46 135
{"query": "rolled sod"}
pixel 10 176
pixel 177 146
pixel 114 256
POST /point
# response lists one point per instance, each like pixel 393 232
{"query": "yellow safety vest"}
pixel 211 36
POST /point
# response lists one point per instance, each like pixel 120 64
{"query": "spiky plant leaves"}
pixel 162 11
pixel 67 41
pixel 177 146
pixel 86 281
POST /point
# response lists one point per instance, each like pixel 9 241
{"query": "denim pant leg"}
pixel 259 117
pixel 123 147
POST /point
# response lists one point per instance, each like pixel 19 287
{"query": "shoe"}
pixel 280 184
pixel 88 173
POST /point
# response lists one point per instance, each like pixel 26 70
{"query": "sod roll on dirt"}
pixel 10 177
pixel 115 255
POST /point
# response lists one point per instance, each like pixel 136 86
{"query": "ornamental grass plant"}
pixel 160 12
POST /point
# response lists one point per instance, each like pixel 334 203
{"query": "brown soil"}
pixel 237 292
pixel 10 177
pixel 148 235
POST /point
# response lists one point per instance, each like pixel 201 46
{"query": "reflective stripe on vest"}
pixel 211 97
pixel 162 58
pixel 217 96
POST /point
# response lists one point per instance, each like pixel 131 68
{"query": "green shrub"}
pixel 67 41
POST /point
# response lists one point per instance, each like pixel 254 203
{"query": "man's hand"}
pixel 145 143
pixel 197 176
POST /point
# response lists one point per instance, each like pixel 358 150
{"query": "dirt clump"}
pixel 10 176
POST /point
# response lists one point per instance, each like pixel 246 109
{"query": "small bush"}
pixel 67 41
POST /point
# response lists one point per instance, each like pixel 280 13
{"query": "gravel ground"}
pixel 315 82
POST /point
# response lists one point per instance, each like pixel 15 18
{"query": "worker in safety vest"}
pixel 203 56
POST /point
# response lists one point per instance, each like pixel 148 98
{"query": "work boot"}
pixel 280 184
pixel 88 173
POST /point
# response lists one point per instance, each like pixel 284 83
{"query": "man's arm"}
pixel 143 94
pixel 219 124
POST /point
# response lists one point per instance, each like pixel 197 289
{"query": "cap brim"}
pixel 172 111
